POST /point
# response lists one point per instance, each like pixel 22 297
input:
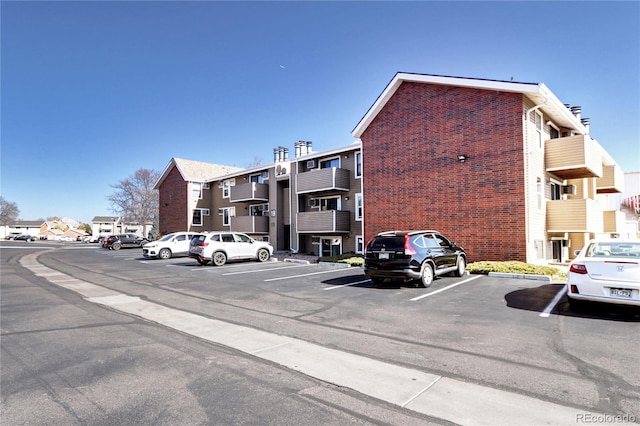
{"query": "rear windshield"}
pixel 622 248
pixel 387 243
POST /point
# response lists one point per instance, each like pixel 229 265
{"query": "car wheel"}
pixel 426 275
pixel 164 253
pixel 462 264
pixel 116 246
pixel 219 258
pixel 263 255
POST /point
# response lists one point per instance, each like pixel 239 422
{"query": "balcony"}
pixel 324 221
pixel 614 221
pixel 250 191
pixel 323 180
pixel 574 215
pixel 612 180
pixel 573 157
pixel 250 224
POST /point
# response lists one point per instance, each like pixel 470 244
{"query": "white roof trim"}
pixel 535 91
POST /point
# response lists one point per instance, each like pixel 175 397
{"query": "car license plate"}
pixel 620 292
pixel 383 255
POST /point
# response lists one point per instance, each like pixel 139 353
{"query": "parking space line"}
pixel 445 288
pixel 345 285
pixel 277 268
pixel 554 302
pixel 302 275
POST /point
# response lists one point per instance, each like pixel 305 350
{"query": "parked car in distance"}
pixel 412 255
pixel 606 270
pixel 219 246
pixel 116 242
pixel 171 245
pixel 65 238
pixel 24 237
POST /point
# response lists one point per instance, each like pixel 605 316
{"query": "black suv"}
pixel 412 255
pixel 116 242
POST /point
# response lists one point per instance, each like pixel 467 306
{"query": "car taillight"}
pixel 578 268
pixel 203 244
pixel 408 249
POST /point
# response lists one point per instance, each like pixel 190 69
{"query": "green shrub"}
pixel 513 267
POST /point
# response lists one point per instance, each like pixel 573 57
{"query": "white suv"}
pixel 217 247
pixel 171 245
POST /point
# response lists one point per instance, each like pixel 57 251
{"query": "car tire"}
pixel 460 266
pixel 164 253
pixel 202 261
pixel 116 246
pixel 426 275
pixel 263 255
pixel 219 258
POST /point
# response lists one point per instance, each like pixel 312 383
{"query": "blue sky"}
pixel 93 91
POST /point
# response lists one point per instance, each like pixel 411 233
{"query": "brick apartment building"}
pixel 309 203
pixel 503 168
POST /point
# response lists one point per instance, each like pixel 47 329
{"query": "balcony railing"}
pixel 612 180
pixel 250 224
pixel 324 221
pixel 250 191
pixel 573 157
pixel 319 180
pixel 574 215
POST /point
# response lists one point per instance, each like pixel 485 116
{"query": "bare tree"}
pixel 135 199
pixel 8 211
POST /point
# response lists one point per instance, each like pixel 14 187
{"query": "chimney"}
pixel 309 148
pixel 576 110
pixel 297 149
pixel 275 155
pixel 586 122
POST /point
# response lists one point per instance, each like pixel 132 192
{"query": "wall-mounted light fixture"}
pixel 462 158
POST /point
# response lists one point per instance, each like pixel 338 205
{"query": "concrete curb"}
pixel 520 276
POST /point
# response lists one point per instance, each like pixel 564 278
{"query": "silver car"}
pixel 606 270
pixel 218 247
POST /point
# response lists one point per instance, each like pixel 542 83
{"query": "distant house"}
pixel 28 227
pixel 109 225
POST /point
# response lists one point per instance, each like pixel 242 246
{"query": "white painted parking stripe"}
pixel 277 268
pixel 445 288
pixel 345 285
pixel 301 275
pixel 554 302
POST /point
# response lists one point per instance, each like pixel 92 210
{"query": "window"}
pixel 196 188
pixel 197 217
pixel 259 210
pixel 556 191
pixel 540 191
pixel 226 214
pixel 358 159
pixel 324 204
pixel 226 189
pixel 359 209
pixel 327 164
pixel 259 178
pixel 538 119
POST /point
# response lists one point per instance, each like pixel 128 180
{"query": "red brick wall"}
pixel 413 180
pixel 173 203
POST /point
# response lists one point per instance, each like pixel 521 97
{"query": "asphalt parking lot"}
pixel 510 335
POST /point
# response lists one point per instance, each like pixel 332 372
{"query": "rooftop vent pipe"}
pixel 576 110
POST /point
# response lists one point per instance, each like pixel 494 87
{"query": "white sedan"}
pixel 606 270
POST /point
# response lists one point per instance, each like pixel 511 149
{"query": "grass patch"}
pixel 349 258
pixel 513 267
